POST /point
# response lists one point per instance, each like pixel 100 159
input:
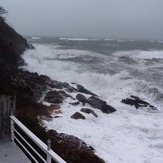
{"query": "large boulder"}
pixel 88 111
pixel 95 102
pixel 81 98
pixel 68 87
pixel 54 97
pixel 81 89
pixel 77 115
pixel 137 102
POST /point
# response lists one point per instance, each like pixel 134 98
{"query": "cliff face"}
pixel 11 46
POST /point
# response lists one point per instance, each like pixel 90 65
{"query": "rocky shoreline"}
pixel 30 88
pixel 40 98
pixel 43 97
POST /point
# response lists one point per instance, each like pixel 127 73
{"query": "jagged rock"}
pixel 64 94
pixel 75 103
pixel 77 115
pixel 68 87
pixel 53 109
pixel 54 97
pixel 88 111
pixel 81 98
pixel 50 110
pixel 55 106
pixel 72 149
pixel 137 102
pixel 95 102
pixel 34 81
pixel 55 84
pixel 81 89
pixel 56 116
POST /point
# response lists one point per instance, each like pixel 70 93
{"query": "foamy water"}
pixel 128 135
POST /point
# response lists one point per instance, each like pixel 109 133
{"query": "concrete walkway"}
pixel 11 153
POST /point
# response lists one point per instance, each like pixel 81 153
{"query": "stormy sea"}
pixel 114 70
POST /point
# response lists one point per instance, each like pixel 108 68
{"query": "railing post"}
pixel 13 103
pixel 48 148
pixel 12 128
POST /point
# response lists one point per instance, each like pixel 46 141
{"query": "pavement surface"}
pixel 11 153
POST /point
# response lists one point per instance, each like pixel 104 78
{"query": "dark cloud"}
pixel 140 19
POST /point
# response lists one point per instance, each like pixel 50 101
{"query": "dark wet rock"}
pixel 72 149
pixel 53 109
pixel 75 103
pixel 68 87
pixel 54 97
pixel 55 84
pixel 88 111
pixel 77 115
pixel 137 102
pixel 81 98
pixel 55 106
pixel 81 89
pixel 38 84
pixel 64 94
pixel 95 102
pixel 57 116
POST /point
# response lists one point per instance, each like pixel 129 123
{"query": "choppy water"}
pixel 114 68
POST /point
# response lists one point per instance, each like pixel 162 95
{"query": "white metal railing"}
pixel 51 155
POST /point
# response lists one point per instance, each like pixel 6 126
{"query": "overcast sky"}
pixel 133 19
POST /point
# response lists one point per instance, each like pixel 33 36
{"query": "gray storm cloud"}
pixel 140 19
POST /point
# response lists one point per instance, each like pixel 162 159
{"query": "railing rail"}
pixel 51 155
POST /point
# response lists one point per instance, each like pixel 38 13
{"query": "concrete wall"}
pixel 6 107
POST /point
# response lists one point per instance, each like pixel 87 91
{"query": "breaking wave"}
pixel 113 77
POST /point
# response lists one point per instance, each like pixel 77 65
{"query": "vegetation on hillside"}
pixel 2 13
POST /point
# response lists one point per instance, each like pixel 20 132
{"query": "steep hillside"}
pixel 11 45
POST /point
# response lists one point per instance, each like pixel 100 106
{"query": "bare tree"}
pixel 2 12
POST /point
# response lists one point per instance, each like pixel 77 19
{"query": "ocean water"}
pixel 113 69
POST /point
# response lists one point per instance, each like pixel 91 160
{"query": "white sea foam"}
pixel 79 39
pixel 56 63
pixel 140 54
pixel 128 135
pixel 74 39
pixel 35 38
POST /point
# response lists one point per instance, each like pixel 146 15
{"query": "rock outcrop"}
pixel 138 103
pixel 89 111
pixel 96 102
pixel 81 98
pixel 77 115
pixel 75 149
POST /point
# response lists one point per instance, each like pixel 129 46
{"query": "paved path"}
pixel 11 153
